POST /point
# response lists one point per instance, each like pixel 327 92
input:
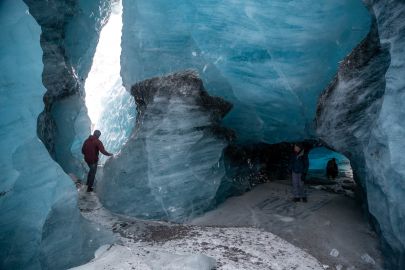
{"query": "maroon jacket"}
pixel 91 147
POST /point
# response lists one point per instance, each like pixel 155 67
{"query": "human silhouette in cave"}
pixel 90 149
pixel 298 167
pixel 332 169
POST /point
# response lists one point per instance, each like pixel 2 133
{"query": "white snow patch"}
pixel 151 245
pixel 284 218
pixel 165 261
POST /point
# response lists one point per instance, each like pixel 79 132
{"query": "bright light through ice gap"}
pixel 105 71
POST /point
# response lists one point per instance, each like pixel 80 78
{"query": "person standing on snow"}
pixel 90 149
pixel 298 166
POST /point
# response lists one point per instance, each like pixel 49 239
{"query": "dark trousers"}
pixel 304 177
pixel 298 186
pixel 92 174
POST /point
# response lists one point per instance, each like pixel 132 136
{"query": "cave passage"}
pixel 318 159
pixel 112 110
pixel 222 90
pixel 105 71
pixel 330 226
pixel 110 107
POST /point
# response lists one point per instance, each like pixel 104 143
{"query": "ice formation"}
pixel 40 225
pixel 67 57
pixel 271 59
pixel 361 115
pixel 172 166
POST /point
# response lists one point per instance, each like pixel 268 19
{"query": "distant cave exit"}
pixel 104 75
pixel 110 107
pixel 317 173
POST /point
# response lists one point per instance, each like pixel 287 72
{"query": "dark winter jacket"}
pixel 299 163
pixel 91 148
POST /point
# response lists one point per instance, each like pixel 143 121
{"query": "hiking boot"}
pixel 304 199
pixel 89 189
pixel 296 199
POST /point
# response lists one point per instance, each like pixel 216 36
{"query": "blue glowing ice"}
pixel 40 224
pixel 271 59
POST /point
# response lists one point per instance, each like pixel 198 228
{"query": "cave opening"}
pixel 112 110
pixel 332 224
pixel 317 176
pixel 110 107
pixel 254 164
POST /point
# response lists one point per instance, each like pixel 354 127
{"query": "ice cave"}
pixel 202 105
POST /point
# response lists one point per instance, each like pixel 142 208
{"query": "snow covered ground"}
pixel 158 245
pixel 331 227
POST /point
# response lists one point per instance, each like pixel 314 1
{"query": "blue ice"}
pixel 271 59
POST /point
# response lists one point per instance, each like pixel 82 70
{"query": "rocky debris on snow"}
pixel 159 245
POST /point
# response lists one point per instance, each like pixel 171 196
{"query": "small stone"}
pixel 367 259
pixel 334 253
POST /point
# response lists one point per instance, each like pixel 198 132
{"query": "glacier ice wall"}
pixel 386 165
pixel 70 126
pixel 40 225
pixel 70 31
pixel 361 114
pixel 172 166
pixel 271 59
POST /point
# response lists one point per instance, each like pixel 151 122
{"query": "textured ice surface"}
pixel 118 118
pixel 171 167
pixel 82 31
pixel 385 151
pixel 271 59
pixel 69 36
pixel 80 37
pixel 40 226
pixel 362 115
pixel 71 128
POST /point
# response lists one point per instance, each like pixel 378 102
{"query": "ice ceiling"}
pixel 271 59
